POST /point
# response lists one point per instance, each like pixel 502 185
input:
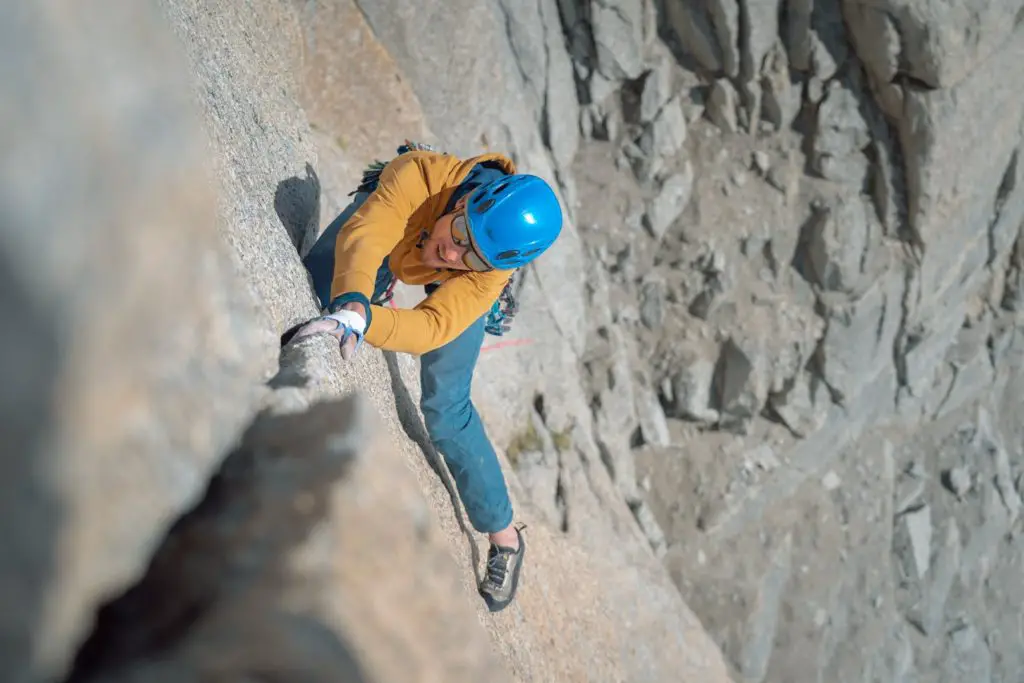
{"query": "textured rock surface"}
pixel 267 562
pixel 131 352
pixel 287 566
pixel 847 265
pixel 776 353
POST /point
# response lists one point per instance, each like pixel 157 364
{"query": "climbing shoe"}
pixel 502 578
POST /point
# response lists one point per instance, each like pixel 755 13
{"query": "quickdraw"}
pixel 503 311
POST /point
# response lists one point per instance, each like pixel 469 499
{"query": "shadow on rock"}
pixel 30 510
pixel 414 428
pixel 297 202
pixel 219 597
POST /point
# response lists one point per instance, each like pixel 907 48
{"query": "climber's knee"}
pixel 446 419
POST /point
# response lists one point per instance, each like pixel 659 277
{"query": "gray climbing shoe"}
pixel 503 564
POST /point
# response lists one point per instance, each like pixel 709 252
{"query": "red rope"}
pixel 504 344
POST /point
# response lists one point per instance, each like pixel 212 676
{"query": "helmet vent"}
pixel 483 206
pixel 500 188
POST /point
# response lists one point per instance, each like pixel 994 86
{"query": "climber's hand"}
pixel 347 326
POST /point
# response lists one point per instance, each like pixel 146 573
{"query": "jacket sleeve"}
pixel 439 318
pixel 376 227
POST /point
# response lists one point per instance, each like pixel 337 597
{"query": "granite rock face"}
pixel 770 371
pixel 186 499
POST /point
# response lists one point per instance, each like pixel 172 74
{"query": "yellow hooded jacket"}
pixel 412 194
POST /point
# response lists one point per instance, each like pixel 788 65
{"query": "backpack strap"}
pixel 371 174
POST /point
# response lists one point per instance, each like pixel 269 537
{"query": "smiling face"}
pixel 441 250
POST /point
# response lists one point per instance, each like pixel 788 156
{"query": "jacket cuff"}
pixel 348 298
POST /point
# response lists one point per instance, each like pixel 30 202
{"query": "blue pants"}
pixel 446 375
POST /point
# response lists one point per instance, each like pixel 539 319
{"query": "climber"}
pixel 461 228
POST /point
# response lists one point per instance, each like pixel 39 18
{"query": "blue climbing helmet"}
pixel 512 220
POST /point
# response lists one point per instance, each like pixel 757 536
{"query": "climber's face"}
pixel 447 245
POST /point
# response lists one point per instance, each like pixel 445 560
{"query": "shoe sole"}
pixel 494 606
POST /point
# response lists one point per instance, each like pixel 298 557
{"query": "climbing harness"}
pixel 505 307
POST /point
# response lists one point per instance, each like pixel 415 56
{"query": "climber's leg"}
pixel 456 430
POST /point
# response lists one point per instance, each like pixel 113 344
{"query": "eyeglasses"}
pixel 462 238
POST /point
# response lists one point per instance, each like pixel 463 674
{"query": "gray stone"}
pixel 721 107
pixel 761 161
pixel 725 17
pixel 945 570
pixel 908 493
pixel 968 657
pixel 803 407
pixel 667 392
pixel 664 138
pixel 1004 484
pixel 939 44
pixel 652 302
pixel 876 40
pixel 781 178
pixel 841 135
pixel 528 48
pixel 618 39
pixel 586 122
pixel 710 296
pixel 749 112
pixel 741 382
pixel 798 33
pixel 916 537
pixel 691 386
pixel 651 529
pixel 859 336
pixel 762 16
pixel 561 107
pixel 653 425
pixel 656 90
pixel 829 39
pixel 958 480
pixel 781 99
pixel 692 25
pixel 839 242
pixel 831 481
pixel 670 202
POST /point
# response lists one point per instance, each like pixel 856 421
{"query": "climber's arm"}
pixel 439 318
pixel 375 228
